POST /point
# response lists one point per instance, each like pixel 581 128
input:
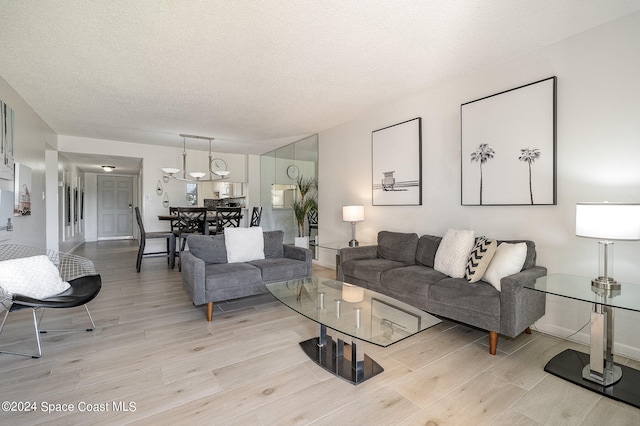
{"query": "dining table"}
pixel 211 220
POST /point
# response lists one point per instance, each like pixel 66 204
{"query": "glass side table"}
pixel 336 246
pixel 595 371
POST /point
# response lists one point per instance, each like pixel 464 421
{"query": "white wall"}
pixel 31 136
pixel 598 149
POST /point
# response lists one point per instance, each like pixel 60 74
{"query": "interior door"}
pixel 115 207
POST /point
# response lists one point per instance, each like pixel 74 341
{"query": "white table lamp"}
pixel 607 221
pixel 353 214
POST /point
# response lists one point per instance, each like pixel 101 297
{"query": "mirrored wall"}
pixel 279 173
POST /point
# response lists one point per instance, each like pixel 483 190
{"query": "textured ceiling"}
pixel 257 74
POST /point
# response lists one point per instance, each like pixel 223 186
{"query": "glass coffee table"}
pixel 352 312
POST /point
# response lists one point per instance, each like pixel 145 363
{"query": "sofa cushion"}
pixel 477 304
pixel 397 246
pixel 508 260
pixel 227 278
pixel 273 241
pixel 427 248
pixel 210 248
pixel 479 259
pixel 410 284
pixel 244 244
pixel 453 252
pixel 280 269
pixel 369 269
pixel 462 295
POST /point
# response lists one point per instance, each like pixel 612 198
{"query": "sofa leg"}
pixel 210 311
pixel 528 330
pixel 493 342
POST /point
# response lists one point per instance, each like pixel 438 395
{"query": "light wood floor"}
pixel 154 350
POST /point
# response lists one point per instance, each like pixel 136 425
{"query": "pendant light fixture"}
pixel 170 172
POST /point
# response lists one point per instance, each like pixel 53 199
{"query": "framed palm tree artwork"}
pixel 509 147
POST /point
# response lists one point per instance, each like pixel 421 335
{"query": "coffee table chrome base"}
pixel 347 361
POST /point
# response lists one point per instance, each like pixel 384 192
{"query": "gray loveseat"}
pixel 401 266
pixel 208 278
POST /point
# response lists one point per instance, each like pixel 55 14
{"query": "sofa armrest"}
pixel 354 253
pixel 520 307
pixel 299 253
pixel 193 277
pixel 358 253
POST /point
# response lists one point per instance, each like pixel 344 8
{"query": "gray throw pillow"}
pixel 397 246
pixel 273 241
pixel 210 248
pixel 427 248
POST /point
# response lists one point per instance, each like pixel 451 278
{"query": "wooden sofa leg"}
pixel 493 342
pixel 209 311
pixel 528 330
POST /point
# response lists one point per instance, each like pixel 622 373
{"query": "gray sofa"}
pixel 208 278
pixel 401 266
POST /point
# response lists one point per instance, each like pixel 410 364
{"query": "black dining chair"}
pixel 256 216
pixel 312 217
pixel 227 217
pixel 144 236
pixel 78 271
pixel 191 220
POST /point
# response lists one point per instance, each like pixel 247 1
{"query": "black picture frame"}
pixel 396 157
pixel 508 147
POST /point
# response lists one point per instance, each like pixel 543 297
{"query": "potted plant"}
pixel 302 205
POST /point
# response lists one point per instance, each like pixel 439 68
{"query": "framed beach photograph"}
pixel 397 164
pixel 509 147
pixel 22 205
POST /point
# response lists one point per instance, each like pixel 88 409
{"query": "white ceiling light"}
pixel 169 172
pixel 108 168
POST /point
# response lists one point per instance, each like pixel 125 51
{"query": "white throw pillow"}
pixel 36 277
pixel 453 252
pixel 508 260
pixel 244 244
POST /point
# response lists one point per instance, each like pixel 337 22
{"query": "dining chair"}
pixel 227 217
pixel 144 236
pixel 84 285
pixel 312 217
pixel 191 220
pixel 256 216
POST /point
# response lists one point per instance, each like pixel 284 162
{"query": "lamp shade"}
pixel 170 170
pixel 352 213
pixel 611 221
pixel 197 175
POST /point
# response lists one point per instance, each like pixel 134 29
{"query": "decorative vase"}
pixel 301 242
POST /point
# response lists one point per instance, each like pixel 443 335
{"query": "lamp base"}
pixel 354 243
pixel 606 283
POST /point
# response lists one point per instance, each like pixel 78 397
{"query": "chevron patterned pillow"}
pixel 479 259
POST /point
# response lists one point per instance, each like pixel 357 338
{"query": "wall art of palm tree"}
pixel 482 154
pixel 500 132
pixel 529 155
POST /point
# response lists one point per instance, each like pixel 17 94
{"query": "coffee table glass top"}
pixel 579 288
pixel 355 311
